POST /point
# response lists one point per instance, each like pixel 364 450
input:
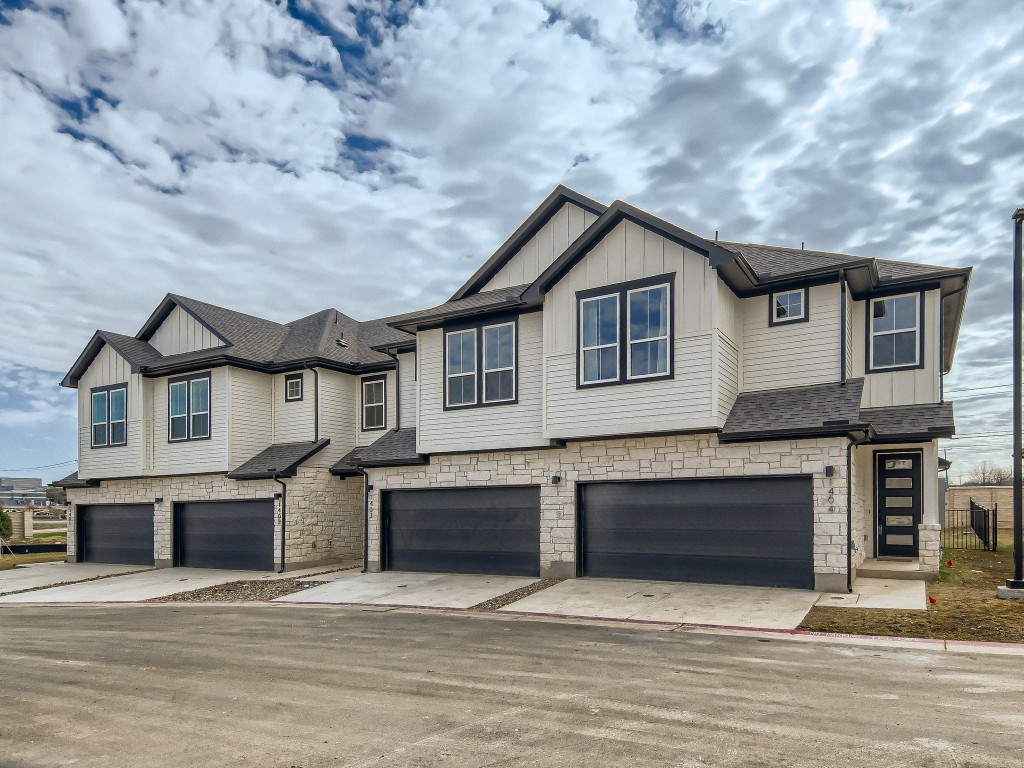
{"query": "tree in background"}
pixel 6 525
pixel 989 474
pixel 56 495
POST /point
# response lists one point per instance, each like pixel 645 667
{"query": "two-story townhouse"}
pixel 207 438
pixel 611 395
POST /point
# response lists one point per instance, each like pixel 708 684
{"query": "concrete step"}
pixel 909 570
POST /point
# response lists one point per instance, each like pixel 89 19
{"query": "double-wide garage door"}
pixel 463 530
pixel 756 531
pixel 237 535
pixel 115 533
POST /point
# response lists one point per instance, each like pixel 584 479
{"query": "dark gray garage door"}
pixel 463 530
pixel 115 533
pixel 237 535
pixel 755 531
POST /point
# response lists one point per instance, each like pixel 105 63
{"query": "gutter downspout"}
pixel 849 508
pixel 316 402
pixel 284 516
pixel 842 326
pixel 366 517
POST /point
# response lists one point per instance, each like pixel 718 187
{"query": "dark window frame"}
pixel 622 290
pixel 187 380
pixel 288 379
pixel 773 321
pixel 869 366
pixel 384 402
pixel 478 326
pixel 106 390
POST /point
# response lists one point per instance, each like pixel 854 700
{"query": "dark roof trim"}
pixel 551 205
pixel 420 323
pixel 73 376
pixel 171 369
pixel 294 457
pixel 73 481
pixel 170 301
pixel 396 347
pixel 617 212
pixel 418 459
pixel 827 430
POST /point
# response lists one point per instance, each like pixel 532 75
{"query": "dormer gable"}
pixel 182 332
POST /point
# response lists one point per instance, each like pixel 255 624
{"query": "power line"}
pixel 978 389
pixel 43 466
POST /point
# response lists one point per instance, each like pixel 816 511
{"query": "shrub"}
pixel 6 526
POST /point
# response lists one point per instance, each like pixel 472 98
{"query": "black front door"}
pixel 898 503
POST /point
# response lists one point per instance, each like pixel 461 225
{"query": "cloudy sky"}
pixel 279 157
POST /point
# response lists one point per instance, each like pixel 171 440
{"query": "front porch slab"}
pixel 887 594
pixel 909 570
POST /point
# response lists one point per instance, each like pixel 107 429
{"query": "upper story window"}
pixel 293 387
pixel 895 332
pixel 374 403
pixel 625 332
pixel 788 307
pixel 109 416
pixel 480 365
pixel 188 409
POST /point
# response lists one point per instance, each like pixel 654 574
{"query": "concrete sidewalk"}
pixel 427 590
pixel 35 575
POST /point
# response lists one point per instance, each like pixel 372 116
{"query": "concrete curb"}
pixel 796 635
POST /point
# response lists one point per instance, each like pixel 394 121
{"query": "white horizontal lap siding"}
pixel 338 408
pixel 920 385
pixel 251 416
pixel 391 399
pixel 181 332
pixel 293 421
pixel 121 461
pixel 543 248
pixel 728 376
pixel 796 354
pixel 489 427
pixel 631 252
pixel 190 456
pixel 407 384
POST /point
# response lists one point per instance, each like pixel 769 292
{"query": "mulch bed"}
pixel 516 594
pixel 965 605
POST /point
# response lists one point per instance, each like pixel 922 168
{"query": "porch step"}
pixel 909 570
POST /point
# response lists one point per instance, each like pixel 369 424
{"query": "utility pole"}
pixel 1014 588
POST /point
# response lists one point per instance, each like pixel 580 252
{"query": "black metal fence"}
pixel 972 528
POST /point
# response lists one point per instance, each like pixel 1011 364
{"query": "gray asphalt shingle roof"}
pixel 473 304
pixel 280 460
pixel 72 481
pixel 394 448
pixel 817 409
pixel 926 421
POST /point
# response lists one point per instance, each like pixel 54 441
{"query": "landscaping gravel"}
pixel 237 591
pixel 515 595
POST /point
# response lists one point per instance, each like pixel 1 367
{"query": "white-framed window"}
pixel 789 306
pixel 374 403
pixel 293 387
pixel 460 368
pixel 895 332
pixel 499 363
pixel 648 321
pixel 188 408
pixel 109 421
pixel 599 339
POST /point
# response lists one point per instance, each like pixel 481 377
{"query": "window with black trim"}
pixel 895 332
pixel 480 365
pixel 374 403
pixel 788 307
pixel 109 423
pixel 188 408
pixel 293 387
pixel 625 332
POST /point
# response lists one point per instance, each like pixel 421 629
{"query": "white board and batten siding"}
pixel 180 332
pixel 920 385
pixel 251 426
pixel 794 354
pixel 128 460
pixel 517 425
pixel 407 384
pixel 538 253
pixel 631 252
pixel 192 456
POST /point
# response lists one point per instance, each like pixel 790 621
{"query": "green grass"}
pixel 7 561
pixel 49 534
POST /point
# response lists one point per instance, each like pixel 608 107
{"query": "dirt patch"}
pixel 962 605
pixel 515 595
pixel 8 561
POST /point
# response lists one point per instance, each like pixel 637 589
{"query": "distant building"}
pixel 22 491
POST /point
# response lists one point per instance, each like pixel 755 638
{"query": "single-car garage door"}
pixel 237 535
pixel 463 530
pixel 115 533
pixel 756 531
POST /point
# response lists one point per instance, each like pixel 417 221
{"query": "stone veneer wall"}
pixel 325 513
pixel 640 458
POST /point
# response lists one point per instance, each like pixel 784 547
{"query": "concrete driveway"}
pixel 429 590
pixel 35 575
pixel 159 582
pixel 763 607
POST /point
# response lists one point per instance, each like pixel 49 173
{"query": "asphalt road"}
pixel 168 685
